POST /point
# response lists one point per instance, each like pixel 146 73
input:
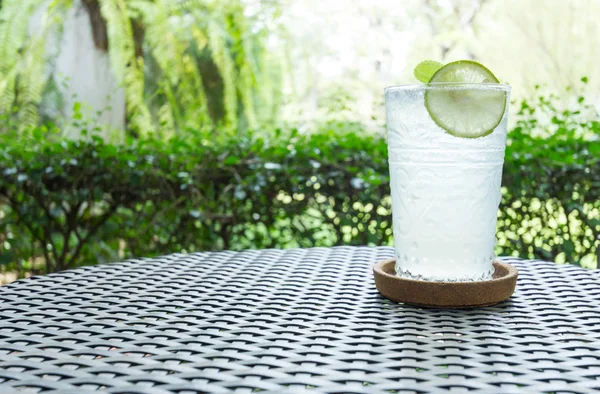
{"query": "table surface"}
pixel 279 321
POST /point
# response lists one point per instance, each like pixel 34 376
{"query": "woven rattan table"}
pixel 304 320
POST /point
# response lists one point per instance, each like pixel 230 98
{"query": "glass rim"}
pixel 450 86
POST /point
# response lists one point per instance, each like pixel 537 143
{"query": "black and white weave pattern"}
pixel 290 321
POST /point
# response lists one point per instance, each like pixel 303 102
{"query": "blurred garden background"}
pixel 147 127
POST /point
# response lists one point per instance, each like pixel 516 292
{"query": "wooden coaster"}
pixel 453 295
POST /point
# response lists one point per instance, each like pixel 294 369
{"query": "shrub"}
pixel 80 202
pixel 551 196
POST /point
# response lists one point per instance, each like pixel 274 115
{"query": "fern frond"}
pixel 246 61
pixel 126 66
pixel 195 88
pixel 247 93
pixel 22 60
pixel 31 84
pixel 226 65
pixel 33 76
pixel 165 117
pixel 167 50
pixel 179 79
pixel 8 91
pixel 273 85
pixel 14 22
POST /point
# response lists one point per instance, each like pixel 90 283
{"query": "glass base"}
pixel 447 270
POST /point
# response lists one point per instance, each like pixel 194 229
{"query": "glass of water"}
pixel 445 188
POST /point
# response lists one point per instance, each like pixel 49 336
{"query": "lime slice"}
pixel 463 111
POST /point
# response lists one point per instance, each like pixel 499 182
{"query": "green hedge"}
pixel 67 203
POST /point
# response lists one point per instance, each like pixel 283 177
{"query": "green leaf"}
pixel 231 160
pixel 6 257
pixel 425 70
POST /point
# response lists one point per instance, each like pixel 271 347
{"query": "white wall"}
pixel 89 79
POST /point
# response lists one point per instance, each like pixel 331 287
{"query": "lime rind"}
pixel 448 73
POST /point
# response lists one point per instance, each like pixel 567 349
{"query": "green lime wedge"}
pixel 462 110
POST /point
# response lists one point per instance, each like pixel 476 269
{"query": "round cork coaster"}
pixel 453 295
